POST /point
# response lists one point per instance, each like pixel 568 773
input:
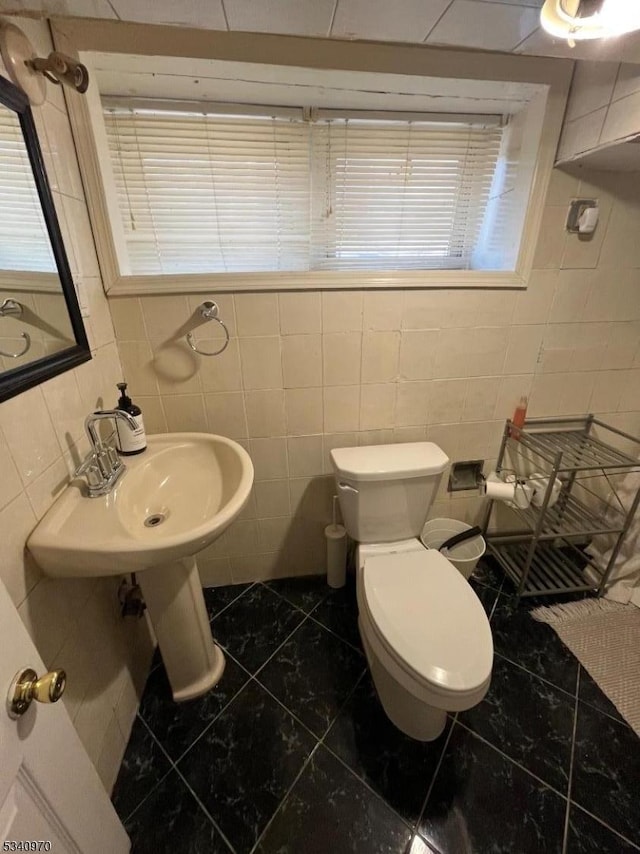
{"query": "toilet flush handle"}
pixel 345 487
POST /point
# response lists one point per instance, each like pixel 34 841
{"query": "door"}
pixel 49 790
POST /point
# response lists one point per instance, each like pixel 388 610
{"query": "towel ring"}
pixel 12 308
pixel 27 344
pixel 209 311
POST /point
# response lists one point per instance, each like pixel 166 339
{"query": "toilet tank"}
pixel 386 491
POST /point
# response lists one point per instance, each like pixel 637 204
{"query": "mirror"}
pixel 41 329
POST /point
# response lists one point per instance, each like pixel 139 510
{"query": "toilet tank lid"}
pixel 389 462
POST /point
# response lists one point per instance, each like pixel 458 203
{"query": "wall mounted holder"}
pixel 12 308
pixel 209 311
pixel 28 71
pixel 582 217
pixel 465 475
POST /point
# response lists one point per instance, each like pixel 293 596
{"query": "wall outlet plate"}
pixel 466 474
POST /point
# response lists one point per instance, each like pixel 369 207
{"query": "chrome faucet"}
pixel 103 467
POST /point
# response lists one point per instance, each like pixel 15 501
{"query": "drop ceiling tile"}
pixel 288 17
pixel 536 4
pixel 403 20
pixel 82 8
pixel 492 26
pixel 207 14
pixel 592 87
pixel 71 8
pixel 628 81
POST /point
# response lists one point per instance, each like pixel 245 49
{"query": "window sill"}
pixel 333 280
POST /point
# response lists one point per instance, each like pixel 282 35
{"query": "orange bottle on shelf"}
pixel 519 416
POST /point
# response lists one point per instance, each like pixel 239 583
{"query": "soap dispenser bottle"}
pixel 130 441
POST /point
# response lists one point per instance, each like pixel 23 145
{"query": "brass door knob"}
pixel 26 687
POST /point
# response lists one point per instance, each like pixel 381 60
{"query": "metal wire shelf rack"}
pixel 546 554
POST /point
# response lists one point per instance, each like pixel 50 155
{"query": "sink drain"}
pixel 154 520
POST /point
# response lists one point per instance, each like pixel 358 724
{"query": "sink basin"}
pixel 172 501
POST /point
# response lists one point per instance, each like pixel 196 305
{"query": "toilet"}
pixel 424 631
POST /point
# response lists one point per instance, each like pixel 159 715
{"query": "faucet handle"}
pixel 88 462
pixel 114 459
pixel 89 468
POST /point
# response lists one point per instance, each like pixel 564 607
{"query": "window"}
pixel 24 240
pixel 202 193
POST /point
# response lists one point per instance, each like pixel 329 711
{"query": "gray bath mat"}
pixel 605 638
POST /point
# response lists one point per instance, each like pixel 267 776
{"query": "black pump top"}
pixel 125 400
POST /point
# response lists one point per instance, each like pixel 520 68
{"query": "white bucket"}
pixel 467 554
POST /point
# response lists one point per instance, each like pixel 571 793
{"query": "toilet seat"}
pixel 428 620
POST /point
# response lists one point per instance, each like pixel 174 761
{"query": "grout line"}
pixel 510 759
pixel 342 762
pixel 277 650
pixel 289 602
pixel 367 786
pixel 444 12
pixel 319 739
pixel 164 776
pixel 206 812
pixel 287 710
pixel 565 838
pixel 604 824
pixel 285 796
pixel 335 634
pixel 233 601
pixel 522 41
pixel 435 774
pixel 213 720
pixel 535 675
pixel 333 18
pixel 226 17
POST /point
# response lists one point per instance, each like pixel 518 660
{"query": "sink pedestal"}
pixel 177 611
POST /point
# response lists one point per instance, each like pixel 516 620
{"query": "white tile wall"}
pixel 74 624
pixel 322 370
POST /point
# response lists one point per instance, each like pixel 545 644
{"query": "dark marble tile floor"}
pixel 292 753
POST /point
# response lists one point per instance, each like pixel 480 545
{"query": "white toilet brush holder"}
pixel 336 537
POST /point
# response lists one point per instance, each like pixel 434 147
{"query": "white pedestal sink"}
pixel 174 500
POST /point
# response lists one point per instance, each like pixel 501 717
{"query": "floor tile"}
pixel 143 766
pixel 488 572
pixel 313 673
pixel 255 625
pixel 399 768
pixel 488 596
pixel 529 720
pixel 339 613
pixel 329 810
pixel 217 598
pixel 177 725
pixel 171 820
pixel 590 693
pixel 533 645
pixel 304 592
pixel 606 771
pixel 482 802
pixel 588 836
pixel 245 762
pixel 419 846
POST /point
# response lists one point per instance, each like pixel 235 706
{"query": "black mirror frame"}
pixel 17 380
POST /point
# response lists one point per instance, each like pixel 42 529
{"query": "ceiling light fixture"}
pixel 577 20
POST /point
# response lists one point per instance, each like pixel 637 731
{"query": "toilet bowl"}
pixel 425 633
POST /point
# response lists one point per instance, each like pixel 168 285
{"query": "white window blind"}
pixel 212 193
pixel 24 240
pixel 400 195
pixel 202 193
